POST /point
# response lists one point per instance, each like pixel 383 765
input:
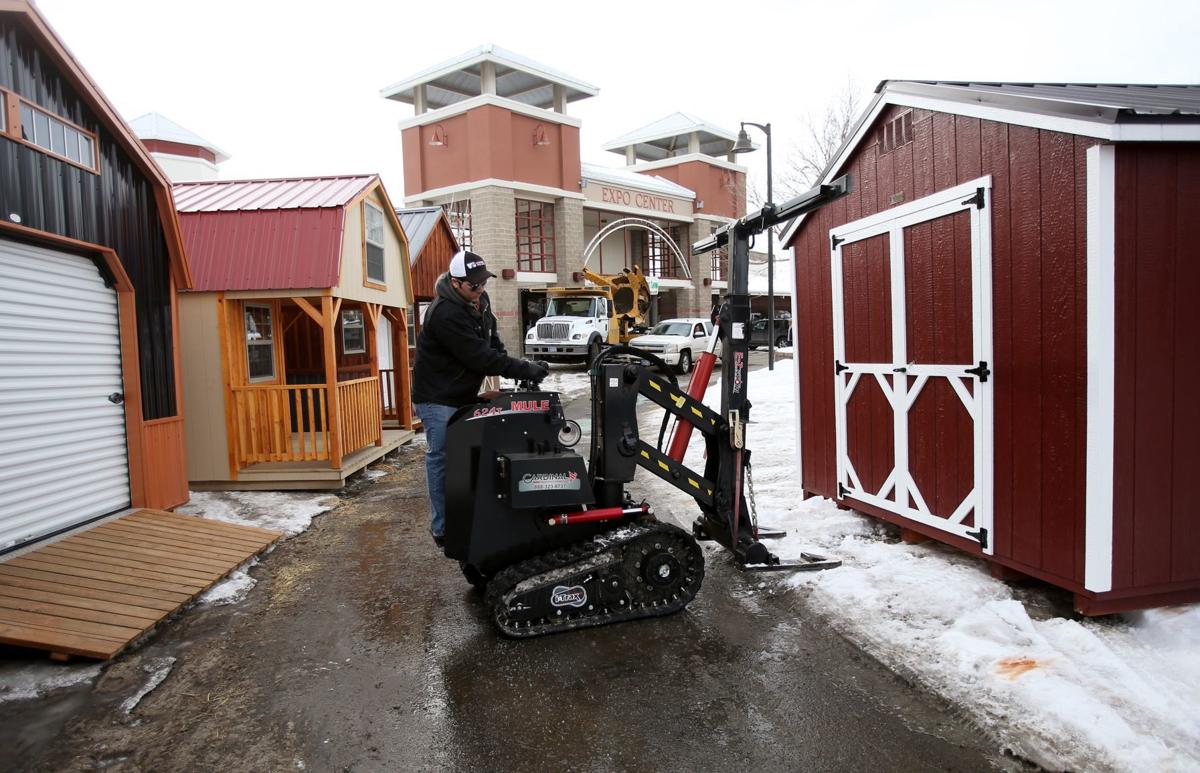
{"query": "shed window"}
pixel 57 136
pixel 260 344
pixel 373 243
pixel 535 236
pixel 897 132
pixel 354 334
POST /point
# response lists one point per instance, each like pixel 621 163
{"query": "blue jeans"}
pixel 434 418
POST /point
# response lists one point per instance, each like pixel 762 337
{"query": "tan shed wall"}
pixel 203 383
pixel 351 287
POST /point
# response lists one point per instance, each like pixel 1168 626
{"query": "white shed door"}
pixel 63 459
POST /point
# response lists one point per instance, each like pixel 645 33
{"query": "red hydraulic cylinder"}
pixel 599 514
pixel 696 389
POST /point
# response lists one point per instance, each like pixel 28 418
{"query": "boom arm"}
pixel 617 449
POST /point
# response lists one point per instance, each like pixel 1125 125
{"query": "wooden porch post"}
pixel 403 391
pixel 328 326
pixel 373 312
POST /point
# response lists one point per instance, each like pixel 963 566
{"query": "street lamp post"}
pixel 743 145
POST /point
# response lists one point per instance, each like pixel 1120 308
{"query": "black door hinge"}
pixel 838 367
pixel 834 242
pixel 982 371
pixel 843 492
pixel 981 535
pixel 978 199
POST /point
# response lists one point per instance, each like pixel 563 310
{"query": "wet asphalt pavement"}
pixel 363 649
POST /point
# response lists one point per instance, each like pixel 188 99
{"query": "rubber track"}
pixel 503 582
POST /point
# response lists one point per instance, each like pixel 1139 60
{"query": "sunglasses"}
pixel 476 286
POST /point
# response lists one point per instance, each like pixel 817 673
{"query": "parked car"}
pixel 759 332
pixel 677 341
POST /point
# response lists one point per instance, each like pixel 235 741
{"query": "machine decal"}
pixel 529 405
pixel 549 481
pixel 573 596
pixel 486 411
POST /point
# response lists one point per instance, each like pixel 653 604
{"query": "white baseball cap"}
pixel 469 266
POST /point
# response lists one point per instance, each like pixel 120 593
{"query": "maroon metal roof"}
pixel 266 234
pixel 280 193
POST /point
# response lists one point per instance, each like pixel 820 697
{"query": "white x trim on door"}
pixel 970 380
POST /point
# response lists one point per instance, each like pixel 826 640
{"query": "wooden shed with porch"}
pixel 996 330
pixel 293 280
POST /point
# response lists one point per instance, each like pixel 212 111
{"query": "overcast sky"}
pixel 292 88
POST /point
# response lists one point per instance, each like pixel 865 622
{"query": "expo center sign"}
pixel 633 200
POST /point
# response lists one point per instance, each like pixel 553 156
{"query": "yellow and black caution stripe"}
pixel 675 473
pixel 676 402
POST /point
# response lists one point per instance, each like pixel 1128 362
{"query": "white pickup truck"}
pixel 574 329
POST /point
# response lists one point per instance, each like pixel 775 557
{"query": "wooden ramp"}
pixel 94 592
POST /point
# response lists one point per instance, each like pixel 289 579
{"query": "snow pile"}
pixel 158 669
pixel 1117 693
pixel 22 680
pixel 568 383
pixel 233 588
pixel 290 513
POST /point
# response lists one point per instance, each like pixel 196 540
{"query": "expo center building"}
pixel 491 142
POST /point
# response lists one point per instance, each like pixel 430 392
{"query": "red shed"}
pixel 999 342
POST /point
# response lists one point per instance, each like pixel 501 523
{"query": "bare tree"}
pixel 805 158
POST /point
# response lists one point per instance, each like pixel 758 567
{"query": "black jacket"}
pixel 457 347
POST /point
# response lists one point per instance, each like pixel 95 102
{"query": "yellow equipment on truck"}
pixel 580 321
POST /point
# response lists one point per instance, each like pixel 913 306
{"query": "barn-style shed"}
pixel 91 418
pixel 996 330
pixel 293 279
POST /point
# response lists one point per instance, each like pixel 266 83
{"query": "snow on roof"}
pixel 663 138
pixel 460 78
pixel 625 178
pixel 154 126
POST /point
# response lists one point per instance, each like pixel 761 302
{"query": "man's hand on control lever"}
pixel 534 371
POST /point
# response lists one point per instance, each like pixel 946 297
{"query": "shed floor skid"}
pixel 93 592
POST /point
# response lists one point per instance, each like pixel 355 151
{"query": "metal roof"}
pixel 277 234
pixel 1109 111
pixel 153 126
pixel 460 78
pixel 418 224
pixel 1114 101
pixel 279 193
pixel 646 182
pixel 668 137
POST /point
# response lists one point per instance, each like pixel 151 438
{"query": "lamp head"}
pixel 743 144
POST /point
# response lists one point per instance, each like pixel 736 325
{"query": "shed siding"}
pixel 432 262
pixel 115 209
pixel 1157 416
pixel 1038 266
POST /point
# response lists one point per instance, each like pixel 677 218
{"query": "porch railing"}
pixel 362 422
pixel 289 422
pixel 281 423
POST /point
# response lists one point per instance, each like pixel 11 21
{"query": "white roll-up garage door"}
pixel 63 458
